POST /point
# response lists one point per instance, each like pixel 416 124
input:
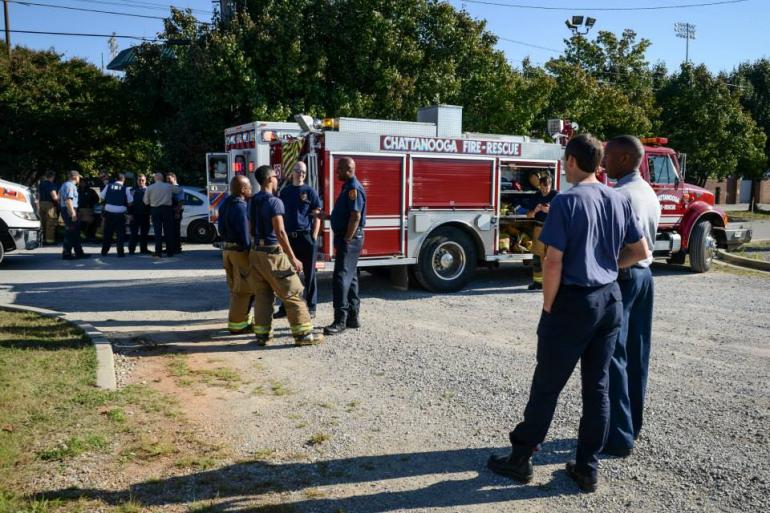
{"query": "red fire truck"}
pixel 689 223
pixel 438 200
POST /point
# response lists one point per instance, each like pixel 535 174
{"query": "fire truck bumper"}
pixel 737 234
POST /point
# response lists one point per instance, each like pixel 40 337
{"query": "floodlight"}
pixel 305 122
pixel 577 20
pixel 590 22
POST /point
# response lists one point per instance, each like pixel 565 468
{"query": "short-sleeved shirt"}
pixel 590 224
pixel 352 198
pixel 45 190
pixel 67 191
pixel 299 202
pixel 263 208
pixel 646 207
pixel 233 221
pixel 537 199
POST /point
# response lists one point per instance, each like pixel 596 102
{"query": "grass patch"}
pixel 74 447
pixel 279 388
pixel 196 462
pixel 314 493
pixel 352 406
pixel 178 367
pixel 318 439
pixel 262 454
pixel 753 250
pixel 737 216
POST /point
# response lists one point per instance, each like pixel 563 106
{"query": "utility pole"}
pixel 685 31
pixel 7 29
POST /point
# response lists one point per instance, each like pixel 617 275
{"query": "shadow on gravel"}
pixel 245 487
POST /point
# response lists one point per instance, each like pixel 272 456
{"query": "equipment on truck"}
pixel 19 223
pixel 439 200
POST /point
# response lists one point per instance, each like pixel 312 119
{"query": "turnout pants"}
pixel 631 359
pixel 538 254
pixel 583 326
pixel 272 274
pixel 163 225
pixel 345 278
pixel 49 216
pixel 140 229
pixel 237 269
pixel 71 235
pixel 114 224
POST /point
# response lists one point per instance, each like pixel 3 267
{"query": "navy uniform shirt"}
pixel 45 190
pixel 352 198
pixel 535 200
pixel 590 223
pixel 263 208
pixel 299 201
pixel 233 221
pixel 138 206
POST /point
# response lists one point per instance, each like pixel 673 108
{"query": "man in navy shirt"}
pixel 139 217
pixel 302 223
pixel 233 224
pixel 274 267
pixel 48 207
pixel 591 231
pixel 348 220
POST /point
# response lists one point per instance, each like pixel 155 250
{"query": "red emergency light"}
pixel 655 141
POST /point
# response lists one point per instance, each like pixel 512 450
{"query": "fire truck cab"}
pixel 689 223
pixel 439 200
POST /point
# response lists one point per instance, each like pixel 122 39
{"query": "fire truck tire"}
pixel 201 232
pixel 677 258
pixel 447 260
pixel 703 247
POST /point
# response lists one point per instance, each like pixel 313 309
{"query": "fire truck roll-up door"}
pixel 217 180
pixel 384 180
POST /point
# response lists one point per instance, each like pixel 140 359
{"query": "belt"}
pixel 296 234
pixel 271 250
pixel 233 246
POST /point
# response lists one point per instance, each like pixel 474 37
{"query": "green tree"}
pixel 705 120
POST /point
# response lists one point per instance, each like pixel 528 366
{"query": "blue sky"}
pixel 726 34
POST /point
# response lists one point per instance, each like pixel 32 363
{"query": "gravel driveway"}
pixel 402 414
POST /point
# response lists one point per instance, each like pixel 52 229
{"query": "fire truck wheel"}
pixel 201 232
pixel 447 260
pixel 703 247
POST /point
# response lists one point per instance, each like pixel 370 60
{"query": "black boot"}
pixel 352 321
pixel 339 324
pixel 585 482
pixel 518 468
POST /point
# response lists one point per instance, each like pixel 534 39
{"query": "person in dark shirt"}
pixel 303 224
pixel 537 208
pixel 274 266
pixel 591 231
pixel 89 221
pixel 233 224
pixel 139 217
pixel 48 207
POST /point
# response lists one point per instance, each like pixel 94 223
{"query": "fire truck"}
pixel 246 148
pixel 439 200
pixel 689 223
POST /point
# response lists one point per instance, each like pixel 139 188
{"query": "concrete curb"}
pixel 758 265
pixel 105 360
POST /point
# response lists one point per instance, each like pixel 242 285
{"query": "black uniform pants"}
pixel 113 224
pixel 71 234
pixel 345 278
pixel 140 229
pixel 583 326
pixel 163 225
pixel 306 251
pixel 177 239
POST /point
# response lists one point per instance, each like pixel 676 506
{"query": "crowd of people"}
pixel 76 202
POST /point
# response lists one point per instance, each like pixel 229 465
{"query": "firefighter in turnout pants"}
pixel 348 220
pixel 274 267
pixel 233 226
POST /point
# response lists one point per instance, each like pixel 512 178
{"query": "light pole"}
pixel 686 31
pixel 577 22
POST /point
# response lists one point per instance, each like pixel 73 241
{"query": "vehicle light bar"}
pixel 658 141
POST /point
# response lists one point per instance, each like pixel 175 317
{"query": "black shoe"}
pixel 121 255
pixel 585 482
pixel 83 255
pixel 518 469
pixel 334 328
pixel 146 252
pixel 69 257
pixel 280 314
pixel 535 286
pixel 352 322
pixel 620 452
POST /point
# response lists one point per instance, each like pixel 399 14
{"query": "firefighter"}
pixel 116 197
pixel 537 209
pixel 49 207
pixel 233 224
pixel 303 224
pixel 631 359
pixel 348 219
pixel 139 222
pixel 591 231
pixel 274 266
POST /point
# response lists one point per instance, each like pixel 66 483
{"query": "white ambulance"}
pixel 19 223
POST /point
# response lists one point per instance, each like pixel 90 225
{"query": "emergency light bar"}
pixel 657 141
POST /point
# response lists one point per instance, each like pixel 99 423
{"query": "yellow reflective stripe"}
pixel 262 329
pixel 238 325
pixel 537 277
pixel 301 328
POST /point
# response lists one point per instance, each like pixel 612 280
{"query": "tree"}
pixel 703 119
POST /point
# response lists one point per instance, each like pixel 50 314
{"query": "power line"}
pixel 647 8
pixel 528 44
pixel 83 9
pixel 82 35
pixel 143 5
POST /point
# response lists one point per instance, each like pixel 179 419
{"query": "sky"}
pixel 726 34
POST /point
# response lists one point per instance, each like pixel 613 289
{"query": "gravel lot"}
pixel 402 414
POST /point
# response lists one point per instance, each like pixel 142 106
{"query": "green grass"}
pixel 179 367
pixel 744 215
pixel 753 250
pixel 279 388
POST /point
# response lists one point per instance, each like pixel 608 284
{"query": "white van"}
pixel 19 223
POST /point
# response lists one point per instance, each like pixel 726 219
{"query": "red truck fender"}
pixel 697 211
